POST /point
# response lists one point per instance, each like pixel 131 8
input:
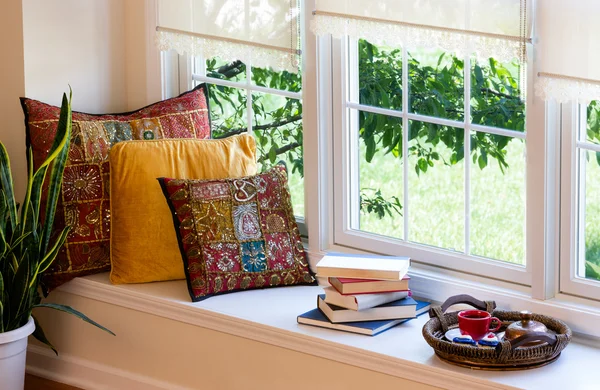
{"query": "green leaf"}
pixel 482 160
pixel 70 310
pixel 20 287
pixel 47 261
pixel 58 157
pixel 592 270
pixel 39 334
pixel 6 182
pixel 423 165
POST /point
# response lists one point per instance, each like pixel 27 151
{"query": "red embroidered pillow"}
pixel 237 234
pixel 84 203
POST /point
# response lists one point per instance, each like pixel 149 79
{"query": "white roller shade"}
pixel 262 32
pixel 491 28
pixel 568 49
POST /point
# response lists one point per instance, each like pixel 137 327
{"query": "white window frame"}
pixel 546 284
pixel 345 64
pixel 573 125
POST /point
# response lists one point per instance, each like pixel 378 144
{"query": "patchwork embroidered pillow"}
pixel 237 234
pixel 84 203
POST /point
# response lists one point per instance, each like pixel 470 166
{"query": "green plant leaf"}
pixel 20 288
pixel 6 183
pixel 51 255
pixel 39 334
pixel 58 157
pixel 592 270
pixel 70 310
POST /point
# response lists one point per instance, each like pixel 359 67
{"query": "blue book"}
pixel 371 328
pixel 401 308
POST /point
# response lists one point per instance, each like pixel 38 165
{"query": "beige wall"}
pixel 12 86
pixel 195 357
pixel 101 48
pixel 79 43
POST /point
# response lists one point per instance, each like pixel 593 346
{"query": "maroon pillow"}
pixel 84 203
pixel 237 234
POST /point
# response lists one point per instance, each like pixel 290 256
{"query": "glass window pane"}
pixel 227 110
pixel 381 175
pixel 436 194
pixel 225 70
pixel 496 99
pixel 277 127
pixel 593 122
pixel 436 81
pixel 590 187
pixel 379 75
pixel 284 80
pixel 498 197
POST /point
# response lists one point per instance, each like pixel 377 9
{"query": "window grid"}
pixel 406 117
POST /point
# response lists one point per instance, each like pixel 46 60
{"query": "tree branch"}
pixel 491 91
pixel 281 150
pixel 230 70
pixel 241 130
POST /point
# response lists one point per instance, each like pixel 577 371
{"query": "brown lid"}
pixel 526 325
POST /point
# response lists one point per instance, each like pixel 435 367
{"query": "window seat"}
pixel 269 316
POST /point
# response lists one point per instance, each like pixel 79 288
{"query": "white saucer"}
pixel 455 332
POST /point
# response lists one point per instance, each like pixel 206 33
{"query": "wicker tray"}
pixel 507 355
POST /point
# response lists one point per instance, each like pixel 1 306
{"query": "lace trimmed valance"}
pixel 568 50
pixel 489 28
pixel 261 32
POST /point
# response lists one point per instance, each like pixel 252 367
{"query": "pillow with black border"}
pixel 237 234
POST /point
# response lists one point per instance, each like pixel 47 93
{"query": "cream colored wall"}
pixel 99 47
pixel 12 86
pixel 79 43
pixel 143 57
pixel 195 357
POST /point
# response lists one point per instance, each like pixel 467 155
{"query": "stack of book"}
pixel 368 294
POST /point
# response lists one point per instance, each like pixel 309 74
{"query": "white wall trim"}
pixel 180 311
pixel 86 374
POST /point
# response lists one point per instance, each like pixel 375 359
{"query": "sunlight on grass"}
pixel 436 201
pixel 498 207
pixel 592 209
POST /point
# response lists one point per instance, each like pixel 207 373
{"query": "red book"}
pixel 349 286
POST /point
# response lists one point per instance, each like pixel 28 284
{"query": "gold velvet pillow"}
pixel 144 244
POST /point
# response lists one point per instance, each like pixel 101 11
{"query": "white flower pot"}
pixel 13 350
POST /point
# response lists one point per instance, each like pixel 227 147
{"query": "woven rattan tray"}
pixel 507 355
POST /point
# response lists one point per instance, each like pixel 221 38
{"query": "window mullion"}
pixel 467 151
pixel 581 156
pixel 249 113
pixel 405 130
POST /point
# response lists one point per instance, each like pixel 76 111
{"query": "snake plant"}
pixel 27 246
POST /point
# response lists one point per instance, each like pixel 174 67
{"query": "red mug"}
pixel 476 323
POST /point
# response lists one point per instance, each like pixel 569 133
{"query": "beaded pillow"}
pixel 237 234
pixel 84 203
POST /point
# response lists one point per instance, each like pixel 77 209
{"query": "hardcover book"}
pixel 371 328
pixel 362 301
pixel 402 308
pixel 363 266
pixel 348 286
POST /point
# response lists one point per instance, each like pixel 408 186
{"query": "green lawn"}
pixel 436 204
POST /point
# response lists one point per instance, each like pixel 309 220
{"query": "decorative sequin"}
pixel 245 218
pixel 253 256
pixel 82 182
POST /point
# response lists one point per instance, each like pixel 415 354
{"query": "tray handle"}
pixel 438 311
pixel 505 348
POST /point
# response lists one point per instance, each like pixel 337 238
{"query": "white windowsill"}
pixel 269 316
